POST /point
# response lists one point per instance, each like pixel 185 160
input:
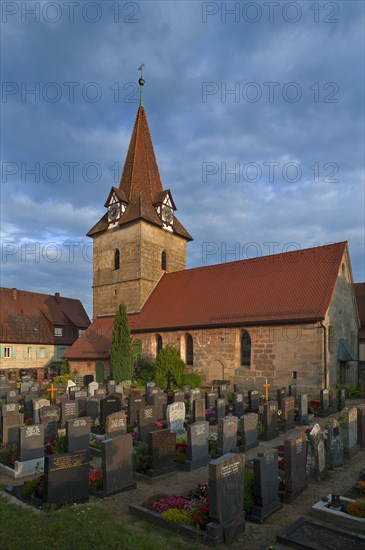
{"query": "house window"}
pixel 60 352
pixel 189 350
pixel 28 353
pixel 81 331
pixel 164 261
pixel 7 352
pixel 116 259
pixel 245 349
pixel 58 331
pixel 42 353
pixel 158 343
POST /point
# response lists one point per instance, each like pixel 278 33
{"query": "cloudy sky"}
pixel 255 110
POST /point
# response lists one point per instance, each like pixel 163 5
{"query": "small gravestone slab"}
pixel 72 391
pixel 334 444
pixel 324 407
pixel 81 404
pixel 37 405
pixel 317 448
pixel 220 409
pixel 116 424
pixel 146 420
pixel 227 435
pixel 341 399
pixel 108 405
pixel 12 396
pixel 159 402
pixel 348 431
pixel 111 386
pixel 50 417
pixel 10 425
pixel 248 428
pixel 287 414
pixel 69 410
pixel 135 402
pixel 28 407
pixel 178 397
pixel 302 404
pixel 210 398
pixel 66 478
pixel 31 442
pixel 78 434
pixel 293 390
pixel 199 410
pixel 265 485
pixel 117 464
pixel 149 387
pixel 238 388
pixel 253 401
pixel 198 445
pixel 295 455
pixel 238 404
pixel 162 447
pixel 175 415
pixel 194 394
pixel 100 393
pixel 270 421
pixel 280 394
pixel 223 392
pixel 361 425
pixel 226 497
pixel 92 407
pixel 9 407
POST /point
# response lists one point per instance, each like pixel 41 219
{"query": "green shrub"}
pixel 145 371
pixel 64 378
pixel 248 491
pixel 29 488
pixel 178 515
pixel 65 369
pixel 192 379
pixel 141 458
pixel 351 391
pixel 169 360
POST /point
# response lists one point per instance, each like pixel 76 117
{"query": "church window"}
pixel 164 261
pixel 158 343
pixel 189 350
pixel 116 259
pixel 245 349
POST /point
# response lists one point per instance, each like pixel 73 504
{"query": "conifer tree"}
pixel 121 352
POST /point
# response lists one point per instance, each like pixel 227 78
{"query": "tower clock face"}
pixel 167 214
pixel 113 212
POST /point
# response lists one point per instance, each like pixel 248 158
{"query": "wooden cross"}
pixel 267 386
pixel 52 389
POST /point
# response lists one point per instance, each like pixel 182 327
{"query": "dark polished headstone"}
pixel 135 402
pixel 162 447
pixel 69 410
pixel 108 405
pixel 324 407
pixel 31 442
pixel 78 434
pixel 117 464
pixel 50 417
pixel 271 430
pixel 210 398
pixel 10 425
pixel 287 414
pixel 92 407
pixel 248 428
pixel 227 435
pixel 253 400
pixel 66 478
pixel 198 446
pixel 146 419
pixel 199 410
pixel 238 404
pixel 341 399
pixel 295 455
pixel 115 424
pixel 220 409
pixel 159 402
pixel 302 404
pixel 265 485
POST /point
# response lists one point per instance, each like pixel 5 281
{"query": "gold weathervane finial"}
pixel 141 82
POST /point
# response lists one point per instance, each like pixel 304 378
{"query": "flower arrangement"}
pixel 161 424
pixel 201 491
pixel 313 406
pixel 95 442
pixel 171 501
pixel 8 455
pixel 29 420
pixel 189 511
pixel 57 445
pixel 359 488
pixel 95 479
pixel 213 444
pixel 180 452
pixel 356 508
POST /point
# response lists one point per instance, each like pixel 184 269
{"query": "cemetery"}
pixel 218 464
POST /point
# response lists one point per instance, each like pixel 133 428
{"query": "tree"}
pixel 169 360
pixel 121 352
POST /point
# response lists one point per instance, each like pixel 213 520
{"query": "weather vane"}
pixel 141 83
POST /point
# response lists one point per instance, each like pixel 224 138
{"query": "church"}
pixel 289 317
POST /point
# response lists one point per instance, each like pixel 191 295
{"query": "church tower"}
pixel 139 237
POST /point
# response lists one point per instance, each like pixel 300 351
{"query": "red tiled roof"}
pixel 32 316
pixel 289 287
pixel 360 299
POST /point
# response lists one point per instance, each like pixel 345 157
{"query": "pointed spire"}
pixel 141 82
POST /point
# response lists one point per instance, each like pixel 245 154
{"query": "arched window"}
pixel 189 350
pixel 164 261
pixel 245 349
pixel 116 259
pixel 158 343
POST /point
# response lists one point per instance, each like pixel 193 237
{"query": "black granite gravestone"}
pixel 238 404
pixel 117 464
pixel 270 421
pixel 199 410
pixel 249 431
pixel 146 419
pixel 69 410
pixel 31 442
pixel 265 485
pixel 66 478
pixel 227 435
pixel 253 400
pixel 78 434
pixel 108 405
pixel 115 424
pixel 162 446
pixel 10 425
pixel 295 455
pixel 198 446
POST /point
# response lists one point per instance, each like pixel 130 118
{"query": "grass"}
pixel 82 527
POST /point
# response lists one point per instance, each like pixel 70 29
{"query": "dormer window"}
pixel 116 204
pixel 58 331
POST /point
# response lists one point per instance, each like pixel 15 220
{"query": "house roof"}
pixel 282 288
pixel 360 299
pixel 140 184
pixel 31 317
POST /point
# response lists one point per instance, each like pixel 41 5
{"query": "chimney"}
pixel 14 293
pixel 57 297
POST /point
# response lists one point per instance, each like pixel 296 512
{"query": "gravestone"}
pixel 220 409
pixel 178 397
pixel 111 386
pixel 265 485
pixel 333 400
pixel 69 410
pixel 349 431
pixel 78 434
pixel 146 420
pixel 175 415
pixel 341 399
pixel 317 450
pixel 9 407
pixel 270 421
pixel 223 392
pixel 295 455
pixel 28 407
pixel 135 402
pixel 199 410
pixel 238 388
pixel 119 389
pixel 50 417
pixel 100 393
pixel 293 390
pixel 92 408
pixel 227 435
pixel 34 392
pixel 186 389
pixel 361 425
pixel 302 404
pixel 287 414
pixel 253 400
pixel 152 393
pixel 117 465
pixel 334 444
pixel 24 387
pixel 162 446
pixel 37 405
pixel 238 404
pixel 72 391
pixel 281 393
pixel 31 442
pixel 116 424
pixel 226 492
pixel 10 425
pixel 198 445
pixel 149 387
pixel 210 398
pixel 66 478
pixel 248 429
pixel 194 394
pixel 108 405
pixel 159 402
pixel 324 407
pixel 81 404
pixel 12 396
